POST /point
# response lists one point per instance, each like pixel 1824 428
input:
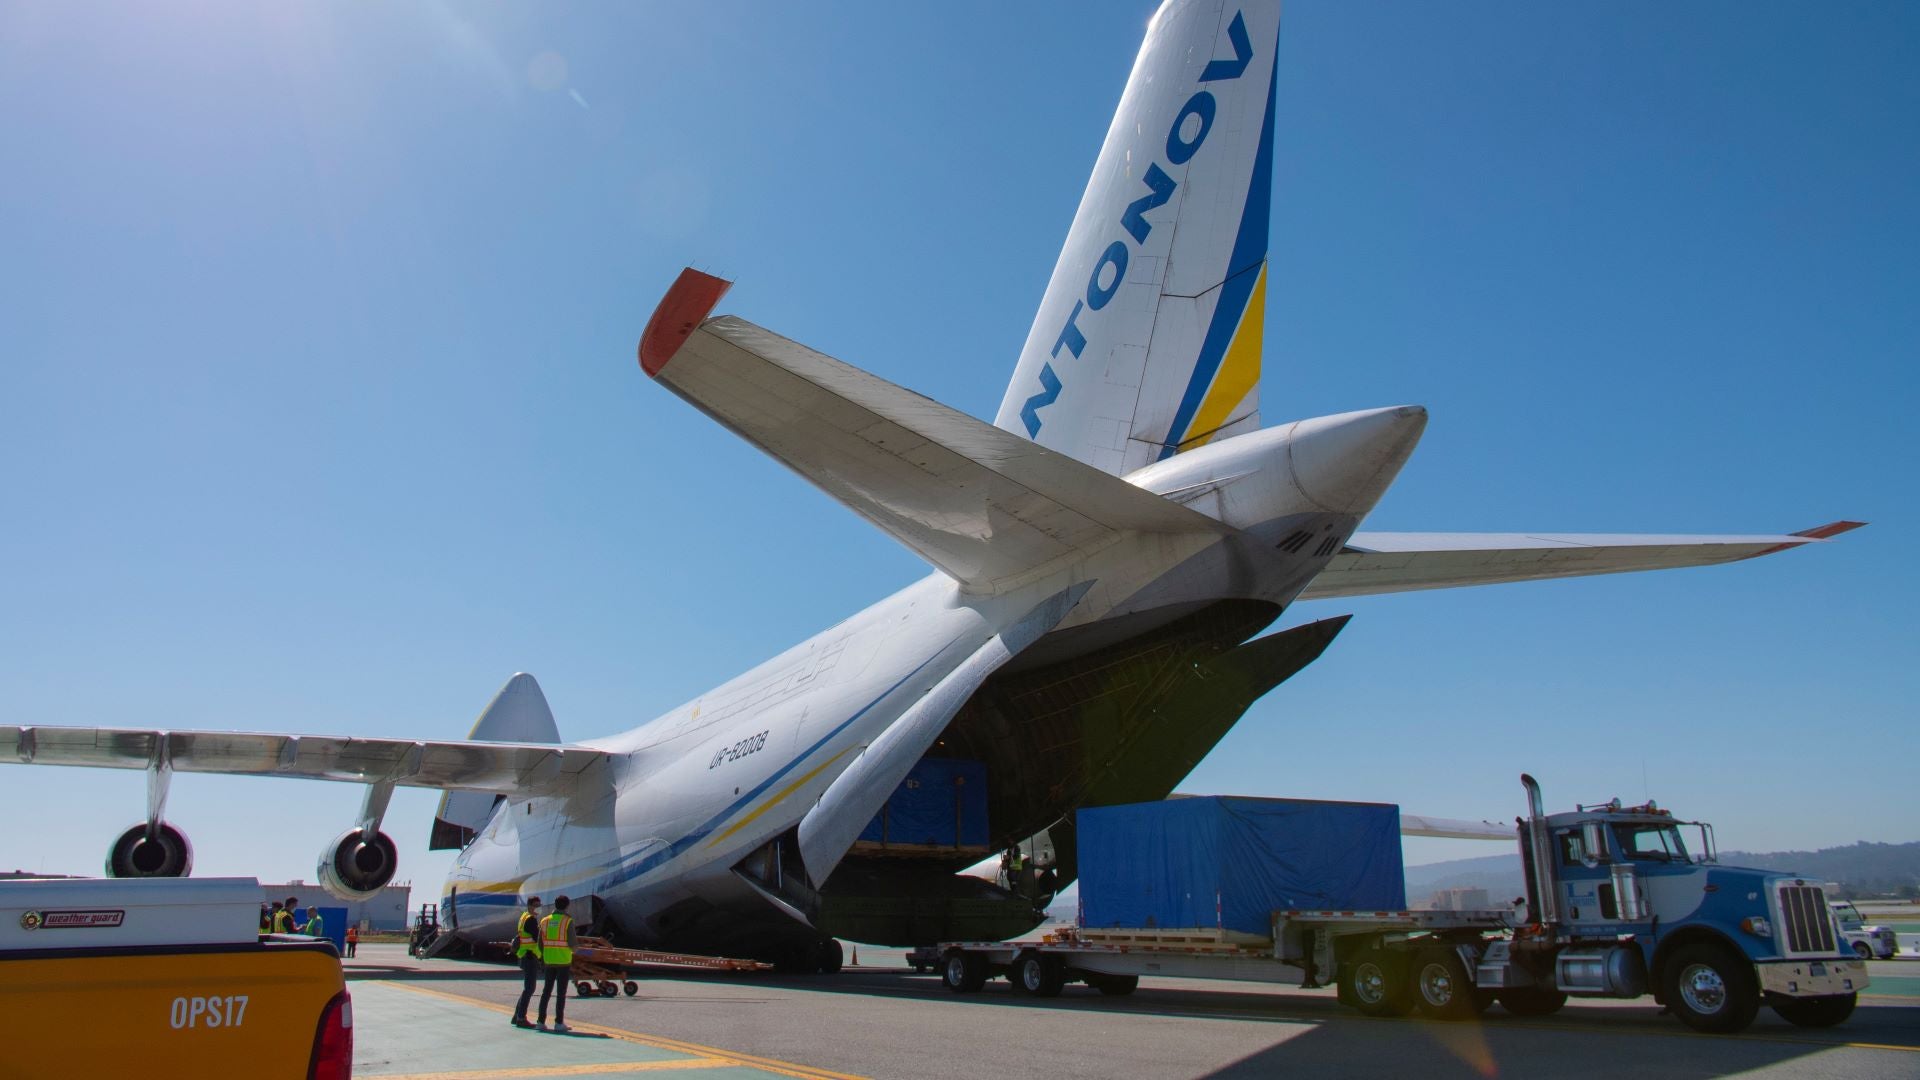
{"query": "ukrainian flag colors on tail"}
pixel 1148 339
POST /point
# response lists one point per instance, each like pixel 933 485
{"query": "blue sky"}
pixel 319 409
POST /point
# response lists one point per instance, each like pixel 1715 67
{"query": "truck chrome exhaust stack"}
pixel 1543 886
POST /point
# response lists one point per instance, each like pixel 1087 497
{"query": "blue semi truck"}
pixel 1619 905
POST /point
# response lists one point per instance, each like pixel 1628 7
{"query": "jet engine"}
pixel 358 864
pixel 160 851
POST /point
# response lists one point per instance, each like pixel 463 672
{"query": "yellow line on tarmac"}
pixel 562 1070
pixel 658 1042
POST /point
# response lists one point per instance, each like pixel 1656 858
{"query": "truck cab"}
pixel 1625 900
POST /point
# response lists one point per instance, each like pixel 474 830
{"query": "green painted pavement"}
pixel 399 1030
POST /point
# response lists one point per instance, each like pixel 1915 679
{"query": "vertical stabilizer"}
pixel 518 713
pixel 1148 339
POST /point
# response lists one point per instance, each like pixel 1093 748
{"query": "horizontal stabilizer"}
pixel 987 507
pixel 500 768
pixel 1405 562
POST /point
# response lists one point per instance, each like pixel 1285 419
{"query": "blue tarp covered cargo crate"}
pixel 941 804
pixel 1231 862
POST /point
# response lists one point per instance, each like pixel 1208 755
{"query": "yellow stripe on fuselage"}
pixel 781 794
pixel 1239 370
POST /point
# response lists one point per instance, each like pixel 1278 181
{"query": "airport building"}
pixel 384 910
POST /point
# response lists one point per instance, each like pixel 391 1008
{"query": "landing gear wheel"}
pixel 1814 1011
pixel 630 987
pixel 608 989
pixel 1375 983
pixel 1712 989
pixel 1531 1000
pixel 583 988
pixel 964 973
pixel 1038 974
pixel 1114 985
pixel 1441 989
pixel 1862 950
pixel 829 957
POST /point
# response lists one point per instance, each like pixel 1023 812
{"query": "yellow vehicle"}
pixel 163 977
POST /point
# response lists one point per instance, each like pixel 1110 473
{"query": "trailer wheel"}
pixel 830 957
pixel 1038 974
pixel 1113 985
pixel 1441 987
pixel 1375 983
pixel 630 987
pixel 964 972
pixel 1712 989
pixel 1531 1000
pixel 1814 1011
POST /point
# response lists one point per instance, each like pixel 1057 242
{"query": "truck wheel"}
pixel 1862 950
pixel 831 957
pixel 1814 1011
pixel 1441 988
pixel 1114 985
pixel 1713 989
pixel 1531 1000
pixel 1375 983
pixel 964 973
pixel 1039 975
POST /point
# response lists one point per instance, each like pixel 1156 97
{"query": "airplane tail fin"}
pixel 519 713
pixel 1148 339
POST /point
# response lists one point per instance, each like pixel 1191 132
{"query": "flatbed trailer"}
pixel 1306 949
pixel 1618 905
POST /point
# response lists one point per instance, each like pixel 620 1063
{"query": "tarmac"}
pixel 448 1020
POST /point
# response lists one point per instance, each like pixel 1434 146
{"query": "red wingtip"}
pixel 1818 532
pixel 1835 528
pixel 687 303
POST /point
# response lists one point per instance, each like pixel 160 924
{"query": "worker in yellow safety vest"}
pixel 283 919
pixel 526 950
pixel 557 943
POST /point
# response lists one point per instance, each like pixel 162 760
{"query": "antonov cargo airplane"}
pixel 1104 554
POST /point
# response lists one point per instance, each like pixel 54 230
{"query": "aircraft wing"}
pixel 1404 562
pixel 500 768
pixel 986 506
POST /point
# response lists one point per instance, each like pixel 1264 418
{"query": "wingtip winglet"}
pixel 691 299
pixel 1832 528
pixel 1818 532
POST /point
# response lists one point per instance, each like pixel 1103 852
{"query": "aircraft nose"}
pixel 1344 463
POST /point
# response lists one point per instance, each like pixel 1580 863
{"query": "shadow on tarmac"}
pixel 1599 1042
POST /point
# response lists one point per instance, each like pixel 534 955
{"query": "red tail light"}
pixel 333 1041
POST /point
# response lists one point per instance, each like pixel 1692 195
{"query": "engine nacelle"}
pixel 354 866
pixel 166 853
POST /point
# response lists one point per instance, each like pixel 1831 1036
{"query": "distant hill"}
pixel 1862 869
